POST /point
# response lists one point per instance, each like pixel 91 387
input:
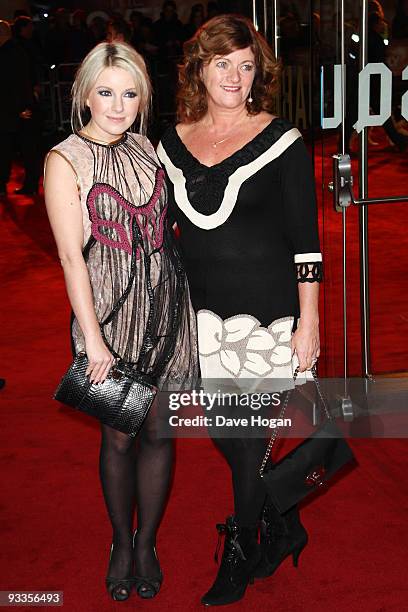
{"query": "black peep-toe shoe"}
pixel 119 588
pixel 147 587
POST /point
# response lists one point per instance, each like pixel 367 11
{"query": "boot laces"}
pixel 273 528
pixel 232 548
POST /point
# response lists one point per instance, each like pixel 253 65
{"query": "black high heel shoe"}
pixel 281 535
pixel 240 557
pixel 147 587
pixel 119 588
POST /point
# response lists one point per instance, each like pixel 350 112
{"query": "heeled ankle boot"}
pixel 240 557
pixel 281 535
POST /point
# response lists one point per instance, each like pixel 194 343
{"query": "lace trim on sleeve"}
pixel 309 272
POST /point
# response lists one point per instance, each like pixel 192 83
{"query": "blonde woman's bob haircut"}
pixel 110 55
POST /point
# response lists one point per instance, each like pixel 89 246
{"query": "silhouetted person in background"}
pixel 147 43
pixel 29 129
pixel 58 39
pixel 400 21
pixel 290 34
pixel 197 18
pixel 97 30
pixel 212 10
pixel 24 33
pixel 16 98
pixel 376 53
pixel 168 31
pixel 81 41
pixel 136 21
pixel 118 30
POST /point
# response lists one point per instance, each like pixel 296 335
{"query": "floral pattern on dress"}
pixel 241 347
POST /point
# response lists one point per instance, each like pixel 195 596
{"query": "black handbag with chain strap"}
pixel 309 465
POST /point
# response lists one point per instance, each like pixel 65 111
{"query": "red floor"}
pixel 54 528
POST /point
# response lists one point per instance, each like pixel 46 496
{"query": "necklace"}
pixel 87 135
pixel 217 142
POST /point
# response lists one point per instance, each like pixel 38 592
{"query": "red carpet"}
pixel 54 528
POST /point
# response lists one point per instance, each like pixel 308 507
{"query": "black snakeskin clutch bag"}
pixel 122 401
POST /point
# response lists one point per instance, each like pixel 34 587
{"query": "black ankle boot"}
pixel 240 557
pixel 281 535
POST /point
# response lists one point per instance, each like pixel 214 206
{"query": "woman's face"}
pixel 114 104
pixel 112 35
pixel 228 78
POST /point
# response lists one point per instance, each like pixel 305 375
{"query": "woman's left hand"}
pixel 305 342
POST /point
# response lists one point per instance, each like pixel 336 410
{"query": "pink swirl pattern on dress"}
pixel 144 215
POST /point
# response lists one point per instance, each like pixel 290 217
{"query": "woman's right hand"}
pixel 100 359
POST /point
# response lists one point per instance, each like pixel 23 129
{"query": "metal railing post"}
pixel 254 14
pixel 363 214
pixel 344 210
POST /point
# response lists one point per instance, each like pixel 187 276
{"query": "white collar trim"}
pixel 241 174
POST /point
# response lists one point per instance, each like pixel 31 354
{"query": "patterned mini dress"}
pixel 140 290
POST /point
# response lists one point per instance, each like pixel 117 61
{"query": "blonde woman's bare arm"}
pixel 65 215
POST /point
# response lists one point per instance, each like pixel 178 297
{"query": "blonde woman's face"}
pixel 113 102
pixel 228 78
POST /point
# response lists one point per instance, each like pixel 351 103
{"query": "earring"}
pixel 250 98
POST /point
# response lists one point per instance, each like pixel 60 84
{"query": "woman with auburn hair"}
pixel 242 193
pixel 106 199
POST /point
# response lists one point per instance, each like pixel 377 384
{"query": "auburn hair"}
pixel 222 35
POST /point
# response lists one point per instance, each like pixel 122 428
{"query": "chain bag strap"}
pixel 283 409
pixel 310 464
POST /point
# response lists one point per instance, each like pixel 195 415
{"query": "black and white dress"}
pixel 248 235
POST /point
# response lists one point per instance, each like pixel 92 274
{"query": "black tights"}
pixel 244 456
pixel 135 469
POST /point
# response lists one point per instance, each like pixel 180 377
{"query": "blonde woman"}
pixel 107 201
